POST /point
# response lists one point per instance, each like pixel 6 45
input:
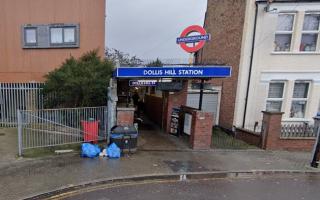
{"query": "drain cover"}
pixel 185 166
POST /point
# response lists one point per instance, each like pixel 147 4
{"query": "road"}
pixel 298 187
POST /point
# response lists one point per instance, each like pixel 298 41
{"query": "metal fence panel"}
pixel 18 96
pixel 297 130
pixel 52 127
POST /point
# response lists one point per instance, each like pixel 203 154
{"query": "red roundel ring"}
pixel 186 32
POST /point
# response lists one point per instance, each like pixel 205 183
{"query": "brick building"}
pixel 36 36
pixel 273 48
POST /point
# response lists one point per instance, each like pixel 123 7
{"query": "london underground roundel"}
pixel 197 40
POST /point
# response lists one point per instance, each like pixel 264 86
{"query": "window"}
pixel 69 35
pixel 299 99
pixel 37 36
pixel 62 35
pixel 56 35
pixel 30 35
pixel 310 32
pixel 275 96
pixel 283 35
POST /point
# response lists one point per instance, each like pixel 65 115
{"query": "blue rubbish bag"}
pixel 113 151
pixel 90 150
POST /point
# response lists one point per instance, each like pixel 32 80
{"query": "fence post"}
pixel 19 116
pixel 271 129
pixel 105 123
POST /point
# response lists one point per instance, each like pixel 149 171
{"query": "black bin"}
pixel 125 137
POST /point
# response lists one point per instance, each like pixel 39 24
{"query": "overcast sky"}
pixel 149 28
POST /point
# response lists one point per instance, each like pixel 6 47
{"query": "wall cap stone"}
pixel 125 109
pixel 272 113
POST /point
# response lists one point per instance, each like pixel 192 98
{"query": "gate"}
pixel 53 127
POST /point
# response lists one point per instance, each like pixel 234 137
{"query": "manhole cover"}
pixel 185 166
pixel 2 134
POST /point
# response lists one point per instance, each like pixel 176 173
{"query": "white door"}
pixel 210 103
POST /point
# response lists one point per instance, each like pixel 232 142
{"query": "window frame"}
pixel 25 36
pixel 277 32
pixel 310 32
pixel 268 99
pixel 300 99
pixel 63 42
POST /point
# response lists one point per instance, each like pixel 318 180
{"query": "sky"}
pixel 148 28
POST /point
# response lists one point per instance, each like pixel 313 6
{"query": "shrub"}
pixel 78 82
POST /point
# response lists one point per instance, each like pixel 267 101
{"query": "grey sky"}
pixel 149 28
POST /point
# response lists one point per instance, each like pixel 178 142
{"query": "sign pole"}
pixel 201 94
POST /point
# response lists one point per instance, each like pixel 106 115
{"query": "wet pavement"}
pixel 157 154
pixel 262 188
pixel 32 177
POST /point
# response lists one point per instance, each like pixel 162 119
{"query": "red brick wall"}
pixel 175 99
pixel 271 136
pixel 295 144
pixel 224 21
pixel 248 136
pixel 201 130
pixel 153 108
pixel 125 117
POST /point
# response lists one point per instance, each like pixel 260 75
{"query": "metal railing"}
pixel 53 127
pixel 18 96
pixel 297 130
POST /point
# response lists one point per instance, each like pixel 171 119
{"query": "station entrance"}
pixel 150 114
pixel 163 108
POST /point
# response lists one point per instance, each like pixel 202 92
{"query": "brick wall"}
pixel 248 136
pixel 201 127
pixel 271 135
pixel 125 116
pixel 153 108
pixel 201 130
pixel 224 21
pixel 172 100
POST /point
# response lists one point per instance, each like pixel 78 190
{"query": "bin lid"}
pixel 128 130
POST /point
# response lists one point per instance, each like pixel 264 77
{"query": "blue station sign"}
pixel 138 83
pixel 174 72
pixel 193 39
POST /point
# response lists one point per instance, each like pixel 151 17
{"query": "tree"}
pixel 79 82
pixel 115 55
pixel 156 63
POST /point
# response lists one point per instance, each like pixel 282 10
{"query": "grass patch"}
pixel 223 140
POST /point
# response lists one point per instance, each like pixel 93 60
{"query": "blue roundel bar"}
pixel 174 72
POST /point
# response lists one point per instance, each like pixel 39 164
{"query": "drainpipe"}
pixel 250 66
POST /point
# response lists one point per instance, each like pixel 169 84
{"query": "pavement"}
pixel 8 145
pixel 32 177
pixel 158 154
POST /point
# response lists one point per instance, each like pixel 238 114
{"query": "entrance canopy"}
pixel 212 71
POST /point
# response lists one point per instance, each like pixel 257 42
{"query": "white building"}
pixel 285 72
pixel 276 67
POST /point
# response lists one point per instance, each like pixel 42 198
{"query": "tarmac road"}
pixel 280 187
